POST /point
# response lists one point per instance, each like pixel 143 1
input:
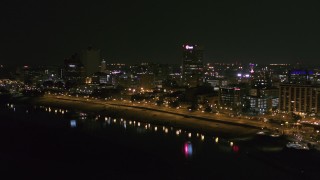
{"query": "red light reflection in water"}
pixel 188 149
pixel 235 148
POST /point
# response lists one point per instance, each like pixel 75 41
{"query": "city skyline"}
pixel 160 89
pixel 48 32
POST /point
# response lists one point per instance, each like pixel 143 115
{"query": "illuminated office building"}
pixel 192 65
pixel 299 98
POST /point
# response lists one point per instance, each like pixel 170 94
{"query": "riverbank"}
pixel 45 141
pixel 206 125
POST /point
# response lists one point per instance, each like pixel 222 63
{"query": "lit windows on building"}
pixel 299 98
pixel 192 65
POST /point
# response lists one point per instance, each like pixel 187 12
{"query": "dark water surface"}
pixel 49 143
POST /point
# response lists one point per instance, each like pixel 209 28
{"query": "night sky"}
pixel 46 32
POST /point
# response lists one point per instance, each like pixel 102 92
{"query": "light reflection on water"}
pixel 195 151
pixel 187 136
pixel 73 123
pixel 188 150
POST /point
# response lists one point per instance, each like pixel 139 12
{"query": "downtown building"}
pixel 91 60
pixel 192 65
pixel 229 96
pixel 73 71
pixel 299 98
pixel 300 76
pixel 299 95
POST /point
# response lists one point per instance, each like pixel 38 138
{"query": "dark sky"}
pixel 45 32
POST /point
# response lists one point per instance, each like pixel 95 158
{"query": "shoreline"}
pixel 159 117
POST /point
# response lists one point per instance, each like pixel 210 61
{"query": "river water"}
pixel 55 143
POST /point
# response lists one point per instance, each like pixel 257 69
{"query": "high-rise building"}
pixel 103 65
pixel 146 81
pixel 91 60
pixel 229 96
pixel 73 69
pixel 299 98
pixel 192 65
pixel 299 76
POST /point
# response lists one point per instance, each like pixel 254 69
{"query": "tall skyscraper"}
pixel 192 65
pixel 91 60
pixel 73 69
pixel 103 67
